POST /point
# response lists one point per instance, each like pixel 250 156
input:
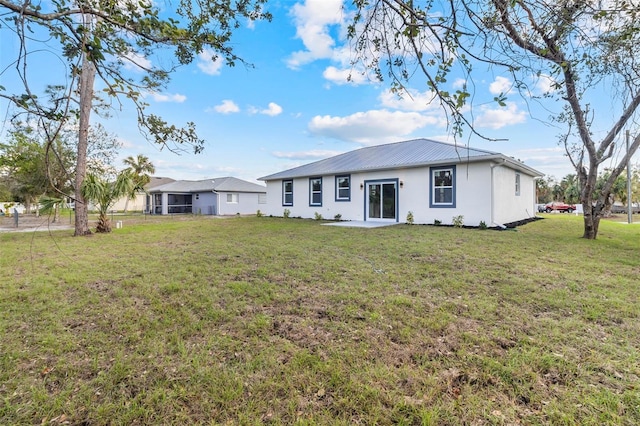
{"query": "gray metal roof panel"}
pixel 155 181
pixel 413 153
pixel 232 184
pixel 227 184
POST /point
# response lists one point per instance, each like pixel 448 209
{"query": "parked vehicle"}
pixel 559 207
pixel 619 209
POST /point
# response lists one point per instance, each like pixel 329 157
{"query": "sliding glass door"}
pixel 382 200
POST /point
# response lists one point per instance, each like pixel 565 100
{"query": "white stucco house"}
pixel 435 181
pixel 218 196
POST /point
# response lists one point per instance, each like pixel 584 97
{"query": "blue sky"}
pixel 296 105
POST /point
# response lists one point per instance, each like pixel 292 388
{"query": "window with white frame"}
pixel 517 184
pixel 443 191
pixel 315 191
pixel 232 198
pixel 343 188
pixel 287 192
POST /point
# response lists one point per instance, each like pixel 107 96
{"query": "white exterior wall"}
pixel 350 210
pixel 216 203
pixel 413 196
pixel 509 207
pixel 473 196
pixel 248 203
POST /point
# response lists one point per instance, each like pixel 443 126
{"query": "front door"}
pixel 381 200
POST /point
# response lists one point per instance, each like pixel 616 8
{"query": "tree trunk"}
pixel 87 78
pixel 104 224
pixel 591 222
pixel 591 213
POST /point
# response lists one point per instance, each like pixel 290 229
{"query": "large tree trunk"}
pixel 591 213
pixel 591 222
pixel 87 78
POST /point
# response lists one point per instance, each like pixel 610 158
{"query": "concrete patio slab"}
pixel 361 224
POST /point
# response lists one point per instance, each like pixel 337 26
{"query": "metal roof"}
pixel 223 184
pixel 407 154
pixel 155 181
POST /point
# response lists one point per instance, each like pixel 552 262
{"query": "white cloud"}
pixel 272 110
pixel 321 25
pixel 500 85
pixel 497 118
pixel 135 61
pixel 551 161
pixel 543 84
pixel 313 19
pixel 226 107
pixel 306 155
pixel 208 65
pixel 344 76
pixel 409 101
pixel 162 97
pixel 459 83
pixel 371 127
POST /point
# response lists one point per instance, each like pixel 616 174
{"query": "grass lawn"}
pixel 284 321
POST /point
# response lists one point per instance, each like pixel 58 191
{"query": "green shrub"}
pixel 458 221
pixel 338 217
pixel 317 216
pixel 286 213
pixel 482 225
pixel 259 213
pixel 410 218
pixel 437 222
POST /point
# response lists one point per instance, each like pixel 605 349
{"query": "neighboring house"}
pixel 140 202
pixel 435 181
pixel 219 196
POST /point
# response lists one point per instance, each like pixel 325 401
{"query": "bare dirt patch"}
pixel 32 223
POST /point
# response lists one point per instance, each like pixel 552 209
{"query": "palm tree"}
pixel 140 168
pixel 104 194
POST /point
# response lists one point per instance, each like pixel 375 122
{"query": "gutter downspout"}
pixel 493 166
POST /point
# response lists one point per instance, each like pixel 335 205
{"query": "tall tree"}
pixel 5 190
pixel 36 166
pixel 99 39
pixel 584 49
pixel 618 189
pixel 140 168
pixel 22 159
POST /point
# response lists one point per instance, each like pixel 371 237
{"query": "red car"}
pixel 559 206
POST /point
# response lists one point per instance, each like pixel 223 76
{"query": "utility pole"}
pixel 629 211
